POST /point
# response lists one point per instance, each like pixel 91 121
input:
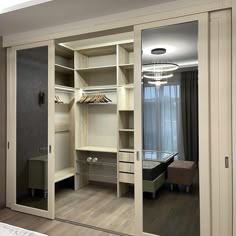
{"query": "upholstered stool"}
pixel 181 172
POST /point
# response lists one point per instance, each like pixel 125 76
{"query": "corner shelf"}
pixel 98 50
pixel 128 66
pixel 97 149
pixel 126 150
pixel 97 69
pixel 63 69
pixel 64 174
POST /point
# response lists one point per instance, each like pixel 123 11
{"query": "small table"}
pixel 181 172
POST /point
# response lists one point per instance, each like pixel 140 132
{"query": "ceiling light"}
pixel 169 49
pixel 158 51
pixel 157 83
pixel 158 78
pixel 160 67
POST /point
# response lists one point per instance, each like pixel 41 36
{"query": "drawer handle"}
pixel 226 162
pixel 137 155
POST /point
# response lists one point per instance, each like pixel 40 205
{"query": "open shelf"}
pixel 98 51
pixel 126 150
pixel 126 121
pixel 64 69
pixel 128 46
pixel 61 128
pixel 128 66
pixel 64 57
pixel 64 174
pixel 127 86
pixel 97 149
pixel 98 69
pixel 64 51
pixel 126 141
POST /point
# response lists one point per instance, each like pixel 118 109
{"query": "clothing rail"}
pixel 99 91
pixel 110 89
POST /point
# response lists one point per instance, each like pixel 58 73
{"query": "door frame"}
pixel 11 130
pixel 204 119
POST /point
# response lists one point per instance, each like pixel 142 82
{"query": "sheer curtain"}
pixel 162 124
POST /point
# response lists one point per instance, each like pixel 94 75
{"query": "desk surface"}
pixel 158 156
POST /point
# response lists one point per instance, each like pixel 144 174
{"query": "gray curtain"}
pixel 162 123
pixel 189 109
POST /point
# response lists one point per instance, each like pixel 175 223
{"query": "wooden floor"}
pixel 170 214
pixel 97 205
pixel 173 213
pixel 48 227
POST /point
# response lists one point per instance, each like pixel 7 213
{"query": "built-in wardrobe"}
pixel 94 114
pixel 80 121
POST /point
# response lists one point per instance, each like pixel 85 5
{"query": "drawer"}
pixel 126 156
pixel 126 167
pixel 131 157
pixel 126 178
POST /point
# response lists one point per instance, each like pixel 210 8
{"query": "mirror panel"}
pixel 170 130
pixel 32 128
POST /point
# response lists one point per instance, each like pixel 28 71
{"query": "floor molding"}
pixel 92 227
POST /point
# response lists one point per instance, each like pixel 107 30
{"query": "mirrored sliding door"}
pixel 33 137
pixel 170 130
pixel 170 161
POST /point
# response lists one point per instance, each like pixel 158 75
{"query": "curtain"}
pixel 162 126
pixel 189 105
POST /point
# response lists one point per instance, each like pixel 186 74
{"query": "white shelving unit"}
pixel 104 130
pixel 64 114
pixel 97 149
pixel 125 117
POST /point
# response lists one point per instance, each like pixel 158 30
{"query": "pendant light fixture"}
pixel 158 70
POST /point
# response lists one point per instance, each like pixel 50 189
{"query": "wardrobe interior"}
pixel 94 131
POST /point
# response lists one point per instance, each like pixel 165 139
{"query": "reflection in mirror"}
pixel 170 130
pixel 32 128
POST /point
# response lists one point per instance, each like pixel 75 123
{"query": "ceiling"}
pixel 180 42
pixel 60 12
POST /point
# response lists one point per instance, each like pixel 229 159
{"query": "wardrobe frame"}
pixel 11 131
pixel 168 11
pixel 204 118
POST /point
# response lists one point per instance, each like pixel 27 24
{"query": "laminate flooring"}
pixel 172 213
pixel 45 226
pixel 97 205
